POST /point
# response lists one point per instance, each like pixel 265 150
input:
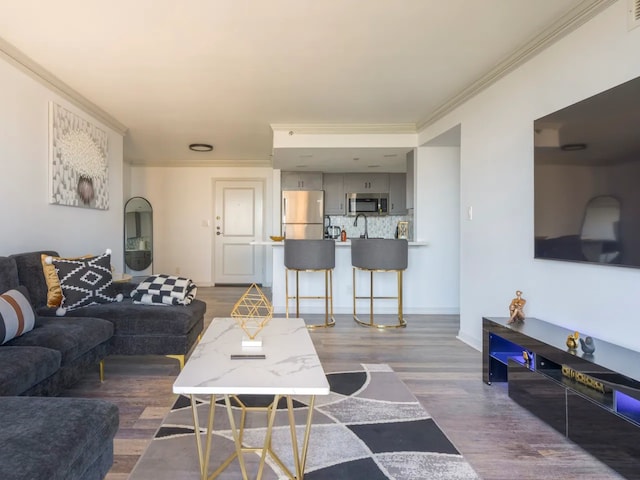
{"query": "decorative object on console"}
pixel 163 289
pixel 16 314
pixel 516 308
pixel 85 282
pixel 78 170
pixel 572 341
pixel 402 230
pixel 252 312
pixel 588 346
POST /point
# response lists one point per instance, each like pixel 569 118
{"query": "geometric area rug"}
pixel 370 427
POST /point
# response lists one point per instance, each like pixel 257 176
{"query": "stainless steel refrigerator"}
pixel 303 214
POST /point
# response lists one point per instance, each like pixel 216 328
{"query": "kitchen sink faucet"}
pixel 366 230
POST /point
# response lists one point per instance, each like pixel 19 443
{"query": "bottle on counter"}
pixel 343 235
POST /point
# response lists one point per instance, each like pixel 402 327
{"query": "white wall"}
pixel 437 177
pixel 28 221
pixel 182 199
pixel 497 180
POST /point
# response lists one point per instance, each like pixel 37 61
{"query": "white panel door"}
pixel 238 221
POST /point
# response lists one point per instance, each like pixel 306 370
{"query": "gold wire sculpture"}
pixel 253 311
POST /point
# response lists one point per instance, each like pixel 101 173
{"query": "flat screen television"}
pixel 587 180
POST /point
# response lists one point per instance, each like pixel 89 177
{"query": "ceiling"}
pixel 223 72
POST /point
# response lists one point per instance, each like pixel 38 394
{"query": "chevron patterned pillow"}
pixel 85 281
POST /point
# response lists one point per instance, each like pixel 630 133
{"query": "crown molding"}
pixel 570 21
pixel 18 59
pixel 344 128
pixel 212 163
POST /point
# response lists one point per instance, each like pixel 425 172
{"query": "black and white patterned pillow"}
pixel 85 281
pixel 165 289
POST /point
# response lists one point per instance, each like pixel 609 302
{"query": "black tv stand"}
pixel 592 399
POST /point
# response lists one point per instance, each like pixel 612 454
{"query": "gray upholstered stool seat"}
pixel 379 255
pixel 311 256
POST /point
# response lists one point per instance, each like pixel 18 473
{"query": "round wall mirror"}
pixel 138 234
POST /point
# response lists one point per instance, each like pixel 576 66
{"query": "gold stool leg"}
pixel 329 319
pixel 371 298
pixel 286 292
pixel 401 322
pixel 101 370
pixel 297 295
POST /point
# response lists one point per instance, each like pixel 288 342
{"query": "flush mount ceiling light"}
pixel 200 147
pixel 572 147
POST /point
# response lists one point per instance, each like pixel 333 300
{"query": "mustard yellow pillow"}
pixel 54 292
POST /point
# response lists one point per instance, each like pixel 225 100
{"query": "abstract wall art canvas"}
pixel 78 168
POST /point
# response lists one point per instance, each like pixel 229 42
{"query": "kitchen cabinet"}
pixel 301 181
pixel 334 199
pixel 366 182
pixel 397 194
pixel 410 178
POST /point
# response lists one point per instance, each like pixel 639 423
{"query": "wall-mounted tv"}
pixel 587 180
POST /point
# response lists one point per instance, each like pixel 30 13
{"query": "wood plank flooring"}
pixel 501 440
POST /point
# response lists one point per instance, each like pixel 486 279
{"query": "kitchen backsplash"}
pixel 378 227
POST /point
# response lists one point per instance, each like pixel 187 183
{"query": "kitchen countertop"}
pixel 338 243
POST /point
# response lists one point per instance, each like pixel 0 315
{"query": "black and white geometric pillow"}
pixel 85 281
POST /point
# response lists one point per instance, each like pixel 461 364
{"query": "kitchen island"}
pixel 312 283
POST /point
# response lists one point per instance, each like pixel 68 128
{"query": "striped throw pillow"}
pixel 16 314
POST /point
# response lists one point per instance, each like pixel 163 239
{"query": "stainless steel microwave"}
pixel 367 203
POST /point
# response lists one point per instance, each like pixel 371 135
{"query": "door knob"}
pixel 218 232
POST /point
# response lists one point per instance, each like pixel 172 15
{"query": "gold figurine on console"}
pixel 572 341
pixel 516 308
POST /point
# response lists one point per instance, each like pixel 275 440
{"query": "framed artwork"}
pixel 78 169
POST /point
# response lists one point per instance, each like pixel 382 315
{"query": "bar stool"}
pixel 311 256
pixel 379 255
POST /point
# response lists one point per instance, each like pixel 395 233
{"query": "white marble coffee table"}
pixel 291 367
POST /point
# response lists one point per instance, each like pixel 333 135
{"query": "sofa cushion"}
pixel 30 275
pixel 8 274
pixel 16 314
pixel 85 281
pixel 24 367
pixel 131 319
pixel 54 291
pixel 54 438
pixel 72 337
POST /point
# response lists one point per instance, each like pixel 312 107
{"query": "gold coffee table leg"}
pixel 236 437
pixel 203 456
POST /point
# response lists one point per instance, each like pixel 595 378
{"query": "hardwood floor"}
pixel 501 440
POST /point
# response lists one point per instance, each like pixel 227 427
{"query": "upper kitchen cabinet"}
pixel 301 181
pixel 397 194
pixel 334 199
pixel 410 178
pixel 366 182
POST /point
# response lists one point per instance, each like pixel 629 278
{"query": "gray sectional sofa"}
pixel 70 438
pixel 138 329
